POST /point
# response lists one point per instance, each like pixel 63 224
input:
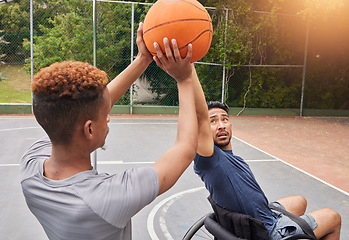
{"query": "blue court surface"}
pixel 136 142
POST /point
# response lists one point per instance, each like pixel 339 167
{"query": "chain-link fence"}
pixel 273 75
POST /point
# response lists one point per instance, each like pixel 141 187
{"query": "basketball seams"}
pixel 192 41
pixel 179 20
pixel 196 38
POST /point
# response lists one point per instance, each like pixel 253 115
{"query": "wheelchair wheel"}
pixel 198 231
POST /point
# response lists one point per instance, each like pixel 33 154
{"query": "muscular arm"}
pixel 174 161
pixel 119 85
pixel 205 140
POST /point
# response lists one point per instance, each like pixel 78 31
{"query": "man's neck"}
pixel 66 162
pixel 226 147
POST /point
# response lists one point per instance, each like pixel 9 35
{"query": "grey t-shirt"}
pixel 87 205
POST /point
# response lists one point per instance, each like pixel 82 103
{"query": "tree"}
pixel 69 36
pixel 15 21
pixel 248 38
pixel 327 79
pixel 256 32
pixel 2 55
pixel 255 37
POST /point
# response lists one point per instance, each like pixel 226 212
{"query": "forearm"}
pixel 187 121
pixel 173 163
pixel 205 140
pixel 119 85
pixel 200 101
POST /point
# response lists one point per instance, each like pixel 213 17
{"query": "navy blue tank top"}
pixel 232 185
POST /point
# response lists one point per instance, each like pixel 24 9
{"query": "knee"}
pixel 302 201
pixel 333 216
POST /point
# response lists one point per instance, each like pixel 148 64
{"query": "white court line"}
pixel 262 160
pixel 170 200
pixel 120 162
pixel 9 165
pixel 14 129
pixel 298 169
pixel 145 123
pixel 167 202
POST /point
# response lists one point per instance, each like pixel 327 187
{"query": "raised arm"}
pixel 174 161
pixel 119 85
pixel 205 140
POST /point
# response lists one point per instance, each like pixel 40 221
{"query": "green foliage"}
pixel 315 9
pixel 246 39
pixel 330 84
pixel 268 38
pixel 69 36
pixel 268 90
pixel 15 21
pixel 211 80
pixel 253 34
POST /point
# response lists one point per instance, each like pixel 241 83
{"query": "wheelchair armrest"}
pixel 217 230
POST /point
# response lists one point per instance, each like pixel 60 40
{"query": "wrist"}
pixel 184 80
pixel 144 58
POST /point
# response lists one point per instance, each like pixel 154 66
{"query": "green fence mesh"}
pixel 267 72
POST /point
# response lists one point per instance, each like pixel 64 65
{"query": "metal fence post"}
pixel 94 64
pixel 31 48
pixel 304 67
pixel 132 30
pixel 225 45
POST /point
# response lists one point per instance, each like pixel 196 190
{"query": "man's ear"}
pixel 88 129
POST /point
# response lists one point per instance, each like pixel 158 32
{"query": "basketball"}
pixel 187 21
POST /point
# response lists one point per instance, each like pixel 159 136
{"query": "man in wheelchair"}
pixel 232 185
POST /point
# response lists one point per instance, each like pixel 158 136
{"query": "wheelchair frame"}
pixel 212 229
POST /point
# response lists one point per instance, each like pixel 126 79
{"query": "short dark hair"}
pixel 216 104
pixel 65 94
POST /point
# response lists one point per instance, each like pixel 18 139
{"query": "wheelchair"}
pixel 207 227
pixel 241 227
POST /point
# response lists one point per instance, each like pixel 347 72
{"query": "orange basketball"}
pixel 187 21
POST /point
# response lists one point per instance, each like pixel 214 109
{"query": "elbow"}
pixel 187 149
pixel 194 149
pixel 191 149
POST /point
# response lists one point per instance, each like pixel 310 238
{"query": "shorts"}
pixel 285 226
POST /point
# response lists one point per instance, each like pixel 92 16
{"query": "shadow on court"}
pixel 137 142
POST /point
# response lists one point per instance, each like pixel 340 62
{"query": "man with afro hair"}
pixel 71 101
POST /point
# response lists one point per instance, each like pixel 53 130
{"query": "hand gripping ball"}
pixel 187 21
